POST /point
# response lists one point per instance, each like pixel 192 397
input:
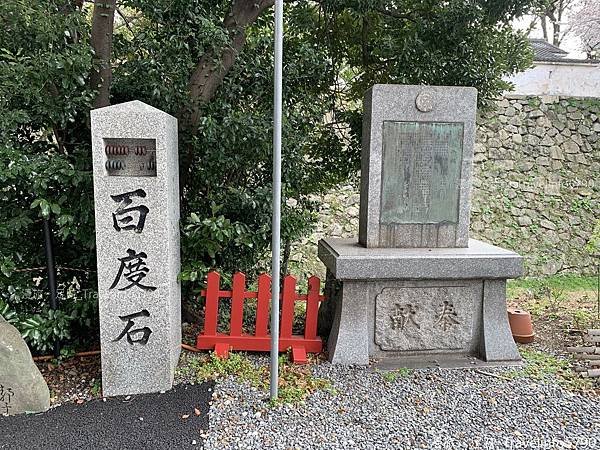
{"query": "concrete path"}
pixel 151 421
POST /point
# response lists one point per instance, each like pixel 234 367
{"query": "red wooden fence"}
pixel 210 339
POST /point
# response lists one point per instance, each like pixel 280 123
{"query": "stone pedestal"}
pixel 421 304
pixel 136 194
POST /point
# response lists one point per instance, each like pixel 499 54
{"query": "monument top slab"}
pixel 416 166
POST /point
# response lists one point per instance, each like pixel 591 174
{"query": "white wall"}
pixel 549 78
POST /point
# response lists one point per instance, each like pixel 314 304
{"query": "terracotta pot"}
pixel 520 325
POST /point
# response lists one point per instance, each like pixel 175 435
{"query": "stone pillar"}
pixel 136 194
pixel 349 338
pixel 497 341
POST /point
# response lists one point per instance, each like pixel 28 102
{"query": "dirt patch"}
pixel 79 379
pixel 75 380
pixel 559 317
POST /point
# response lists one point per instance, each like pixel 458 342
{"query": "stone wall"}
pixel 536 187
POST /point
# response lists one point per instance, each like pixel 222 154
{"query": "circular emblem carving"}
pixel 424 102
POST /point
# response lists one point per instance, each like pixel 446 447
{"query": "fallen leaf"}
pixel 79 401
pixel 185 416
pixel 196 411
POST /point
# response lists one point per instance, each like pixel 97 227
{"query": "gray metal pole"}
pixel 276 225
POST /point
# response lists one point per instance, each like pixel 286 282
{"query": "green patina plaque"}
pixel 421 172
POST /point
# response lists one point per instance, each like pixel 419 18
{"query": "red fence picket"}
pixel 221 343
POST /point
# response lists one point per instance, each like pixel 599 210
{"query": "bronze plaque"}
pixel 130 157
pixel 421 172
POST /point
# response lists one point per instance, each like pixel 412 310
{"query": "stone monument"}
pixel 415 290
pixel 136 193
pixel 22 387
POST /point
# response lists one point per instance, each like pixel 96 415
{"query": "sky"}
pixel 571 43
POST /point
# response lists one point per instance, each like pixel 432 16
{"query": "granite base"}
pixel 410 303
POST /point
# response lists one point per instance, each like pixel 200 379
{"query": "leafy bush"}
pixel 45 167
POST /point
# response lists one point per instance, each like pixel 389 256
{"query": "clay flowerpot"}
pixel 520 325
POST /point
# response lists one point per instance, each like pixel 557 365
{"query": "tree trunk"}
pixel 102 36
pixel 543 23
pixel 212 68
pixel 556 34
pixel 287 251
pixel 560 9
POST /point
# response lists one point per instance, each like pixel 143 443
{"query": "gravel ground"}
pixel 433 408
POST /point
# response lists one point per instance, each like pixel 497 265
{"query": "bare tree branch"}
pixel 585 23
pixel 555 12
pixel 126 20
pixel 532 25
